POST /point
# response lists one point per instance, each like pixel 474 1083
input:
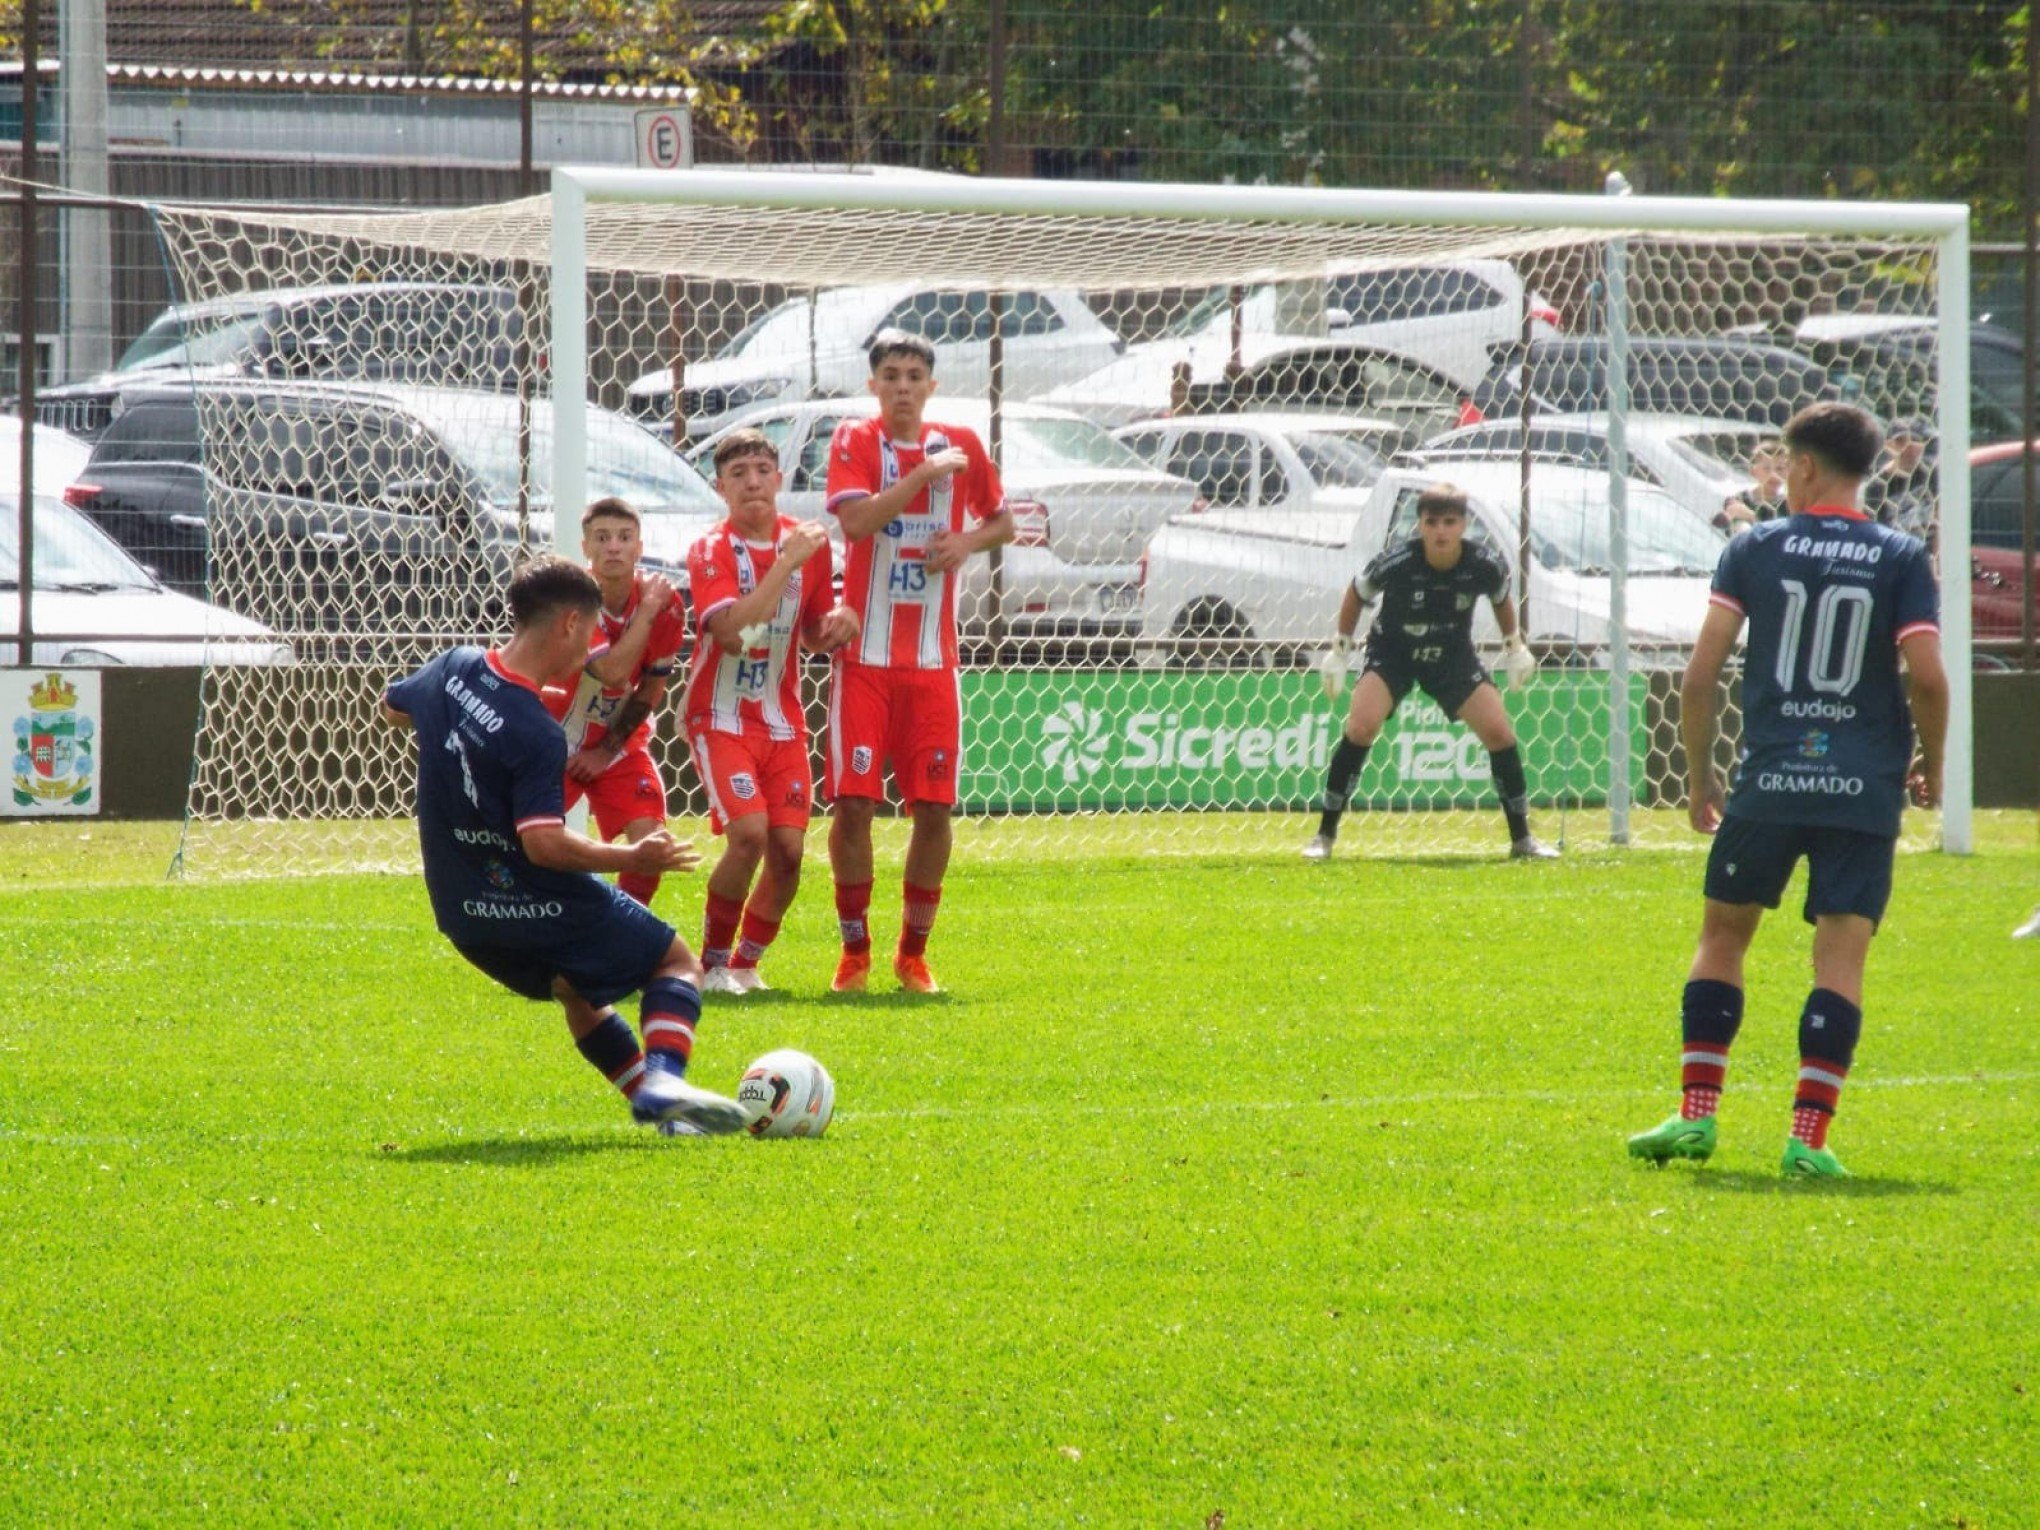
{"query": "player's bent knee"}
pixel 680 963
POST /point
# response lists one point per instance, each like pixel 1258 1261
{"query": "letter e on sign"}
pixel 665 138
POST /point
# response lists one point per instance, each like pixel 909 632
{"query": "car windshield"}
pixel 1718 454
pixel 1210 312
pixel 231 340
pixel 1571 532
pixel 623 461
pixel 1336 462
pixel 1058 445
pixel 787 324
pixel 70 552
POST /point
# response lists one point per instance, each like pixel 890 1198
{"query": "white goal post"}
pixel 1242 233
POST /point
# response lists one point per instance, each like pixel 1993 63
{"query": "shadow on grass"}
pixel 516 1152
pixel 1855 1188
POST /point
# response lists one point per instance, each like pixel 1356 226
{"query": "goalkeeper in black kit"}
pixel 1429 588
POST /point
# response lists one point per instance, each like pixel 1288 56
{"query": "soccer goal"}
pixel 1211 406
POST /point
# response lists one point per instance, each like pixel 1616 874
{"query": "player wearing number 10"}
pixel 914 501
pixel 1833 601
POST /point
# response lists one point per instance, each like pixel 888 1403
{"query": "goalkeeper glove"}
pixel 1333 666
pixel 1518 662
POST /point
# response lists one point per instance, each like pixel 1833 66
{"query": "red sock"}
pixel 719 930
pixel 638 884
pixel 853 907
pixel 1813 1105
pixel 1702 1069
pixel 758 934
pixel 921 904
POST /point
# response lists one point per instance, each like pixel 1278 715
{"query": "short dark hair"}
pixel 612 509
pixel 547 585
pixel 1842 438
pixel 891 341
pixel 1442 499
pixel 747 442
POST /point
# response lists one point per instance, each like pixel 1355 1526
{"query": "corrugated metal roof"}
pixel 316 81
pixel 372 38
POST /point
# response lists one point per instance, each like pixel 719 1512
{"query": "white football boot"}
pixel 1319 848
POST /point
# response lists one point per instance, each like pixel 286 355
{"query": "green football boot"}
pixel 1803 1162
pixel 1676 1138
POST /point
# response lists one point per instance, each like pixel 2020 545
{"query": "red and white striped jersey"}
pixel 756 692
pixel 908 610
pixel 585 711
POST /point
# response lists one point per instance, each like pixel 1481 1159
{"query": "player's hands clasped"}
pixel 1519 664
pixel 1333 666
pixel 659 851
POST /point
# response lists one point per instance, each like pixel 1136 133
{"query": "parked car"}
pixel 1269 461
pixel 59 458
pixel 448 334
pixel 1083 508
pixel 1444 317
pixel 94 605
pixel 1886 362
pixel 359 508
pixel 818 347
pixel 1700 462
pixel 1260 587
pixel 1726 377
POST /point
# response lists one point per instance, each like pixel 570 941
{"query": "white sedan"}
pixel 1083 509
pixel 1700 461
pixel 1251 586
pixel 818 347
pixel 1270 461
pixel 94 605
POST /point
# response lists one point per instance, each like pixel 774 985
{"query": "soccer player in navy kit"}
pixel 511 885
pixel 1833 601
pixel 1429 587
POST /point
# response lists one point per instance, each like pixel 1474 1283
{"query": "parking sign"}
pixel 665 138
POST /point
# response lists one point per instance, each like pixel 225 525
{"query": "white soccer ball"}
pixel 787 1094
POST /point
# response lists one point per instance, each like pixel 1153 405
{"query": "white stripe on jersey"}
pixel 880 604
pixel 732 669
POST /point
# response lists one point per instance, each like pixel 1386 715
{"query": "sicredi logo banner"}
pixel 1036 740
pixel 53 718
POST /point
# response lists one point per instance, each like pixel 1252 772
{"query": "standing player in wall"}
pixel 915 500
pixel 509 881
pixel 1428 588
pixel 1834 601
pixel 761 584
pixel 631 658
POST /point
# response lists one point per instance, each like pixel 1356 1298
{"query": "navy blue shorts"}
pixel 604 952
pixel 1450 680
pixel 1847 870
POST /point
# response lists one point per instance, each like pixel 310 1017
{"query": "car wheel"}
pixel 1210 634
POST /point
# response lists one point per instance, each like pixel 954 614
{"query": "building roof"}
pixel 322 81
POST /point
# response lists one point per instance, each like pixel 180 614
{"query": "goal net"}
pixel 1211 406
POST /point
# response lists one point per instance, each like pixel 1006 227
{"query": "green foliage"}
pixel 1294 1193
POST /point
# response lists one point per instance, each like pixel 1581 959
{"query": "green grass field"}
pixel 1293 1195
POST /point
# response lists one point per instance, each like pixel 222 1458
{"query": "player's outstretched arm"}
pixel 1929 696
pixel 558 848
pixel 1699 707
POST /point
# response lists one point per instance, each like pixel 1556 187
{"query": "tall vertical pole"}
pixel 2030 350
pixel 527 185
pixel 88 231
pixel 1619 762
pixel 25 324
pixel 569 360
pixel 995 155
pixel 1957 630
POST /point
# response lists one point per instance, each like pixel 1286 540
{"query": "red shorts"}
pixel 625 792
pixel 912 718
pixel 744 774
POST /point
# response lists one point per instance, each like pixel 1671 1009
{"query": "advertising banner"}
pixel 1040 740
pixel 53 718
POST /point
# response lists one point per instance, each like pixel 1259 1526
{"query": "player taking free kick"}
pixel 510 883
pixel 915 500
pixel 1428 588
pixel 1833 601
pixel 631 656
pixel 761 584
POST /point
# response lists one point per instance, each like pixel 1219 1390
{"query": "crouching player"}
pixel 631 657
pixel 1429 587
pixel 762 592
pixel 510 884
